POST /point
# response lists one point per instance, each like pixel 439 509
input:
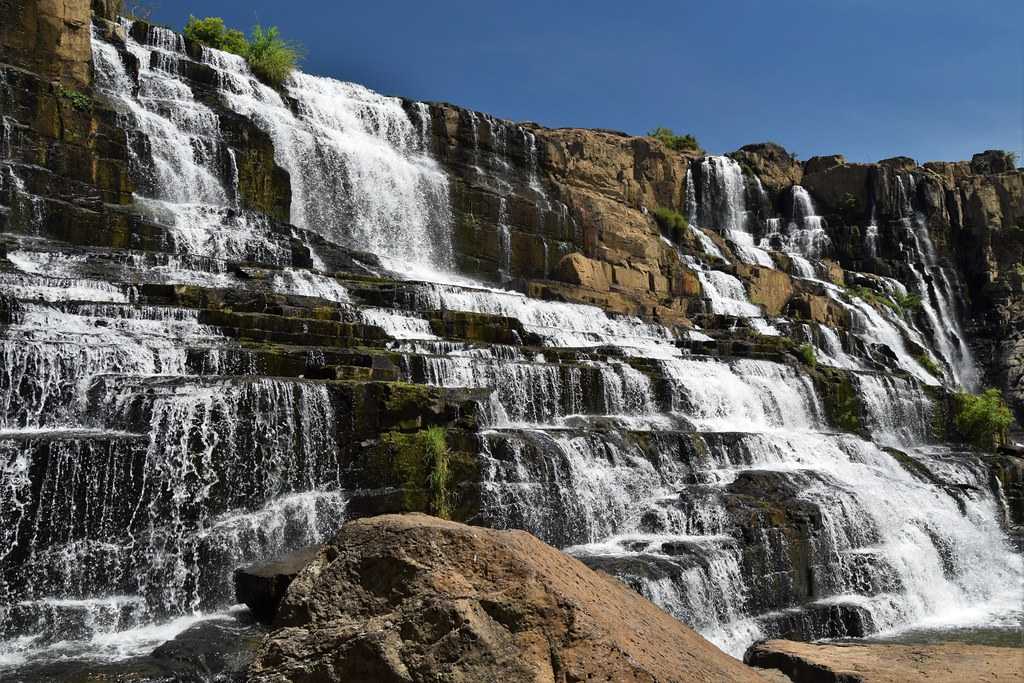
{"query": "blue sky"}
pixel 930 79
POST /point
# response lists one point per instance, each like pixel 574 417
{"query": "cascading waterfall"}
pixel 805 234
pixel 719 202
pixel 359 172
pixel 936 293
pixel 140 464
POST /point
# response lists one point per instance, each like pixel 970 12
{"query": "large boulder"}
pixel 415 598
pixel 884 663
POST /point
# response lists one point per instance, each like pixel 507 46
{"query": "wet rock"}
pixel 413 598
pixel 883 663
pixel 262 586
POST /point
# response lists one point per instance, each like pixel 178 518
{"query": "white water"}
pixel 358 170
pixel 236 469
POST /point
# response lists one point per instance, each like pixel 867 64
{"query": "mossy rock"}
pixel 431 475
pixel 842 403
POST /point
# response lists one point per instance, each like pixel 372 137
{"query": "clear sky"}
pixel 930 79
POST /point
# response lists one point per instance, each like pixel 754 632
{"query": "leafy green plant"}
pixel 270 57
pixel 680 143
pixel 908 302
pixel 872 297
pixel 929 364
pixel 983 419
pixel 1020 270
pixel 672 223
pixel 807 355
pixel 79 101
pixel 212 32
pixel 1012 156
pixel 439 478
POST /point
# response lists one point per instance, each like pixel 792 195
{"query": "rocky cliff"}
pixel 233 316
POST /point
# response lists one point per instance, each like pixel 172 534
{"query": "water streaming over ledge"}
pixel 140 464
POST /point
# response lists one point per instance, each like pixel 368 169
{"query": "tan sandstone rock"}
pixel 415 598
pixel 884 663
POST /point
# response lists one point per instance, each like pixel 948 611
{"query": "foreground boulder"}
pixel 415 598
pixel 883 663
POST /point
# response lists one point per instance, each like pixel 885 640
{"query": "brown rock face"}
pixel 49 37
pixel 770 288
pixel 879 663
pixel 414 598
pixel 776 167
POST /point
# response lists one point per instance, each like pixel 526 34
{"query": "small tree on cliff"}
pixel 271 58
pixel 680 143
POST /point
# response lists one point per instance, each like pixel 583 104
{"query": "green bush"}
pixel 672 223
pixel 79 101
pixel 983 419
pixel 807 355
pixel 439 479
pixel 929 364
pixel 270 57
pixel 212 32
pixel 680 143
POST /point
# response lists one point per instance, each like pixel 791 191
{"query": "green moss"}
pixel 79 101
pixel 421 465
pixel 439 480
pixel 672 223
pixel 874 298
pixel 807 355
pixel 680 143
pixel 842 404
pixel 402 394
pixel 929 364
pixel 908 302
pixel 983 419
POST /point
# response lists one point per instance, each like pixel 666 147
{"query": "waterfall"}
pixel 359 172
pixel 144 454
pixel 805 233
pixel 717 200
pixel 937 294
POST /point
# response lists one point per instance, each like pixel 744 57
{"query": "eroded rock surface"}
pixel 415 598
pixel 879 663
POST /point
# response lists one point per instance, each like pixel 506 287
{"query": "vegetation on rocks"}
pixel 271 57
pixel 680 143
pixel 908 302
pixel 79 101
pixel 423 462
pixel 929 364
pixel 983 419
pixel 899 304
pixel 807 355
pixel 212 33
pixel 672 223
